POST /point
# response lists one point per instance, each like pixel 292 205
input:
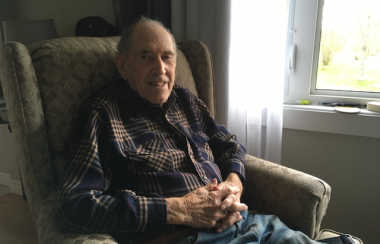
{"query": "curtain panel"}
pixel 247 41
pixel 207 21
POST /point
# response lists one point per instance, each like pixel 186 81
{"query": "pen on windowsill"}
pixel 343 104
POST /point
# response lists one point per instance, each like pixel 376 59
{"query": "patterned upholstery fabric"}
pixel 27 119
pixel 44 85
pixel 200 62
pixel 303 198
pixel 183 72
pixel 67 73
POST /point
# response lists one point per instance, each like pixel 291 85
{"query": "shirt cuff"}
pixel 153 214
pixel 235 166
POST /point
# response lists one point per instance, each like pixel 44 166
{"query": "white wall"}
pixel 351 166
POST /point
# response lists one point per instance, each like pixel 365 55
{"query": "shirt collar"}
pixel 134 102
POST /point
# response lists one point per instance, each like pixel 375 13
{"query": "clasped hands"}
pixel 212 206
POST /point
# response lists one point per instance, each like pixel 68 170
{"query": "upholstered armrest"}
pixel 298 199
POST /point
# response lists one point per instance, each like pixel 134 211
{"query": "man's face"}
pixel 149 67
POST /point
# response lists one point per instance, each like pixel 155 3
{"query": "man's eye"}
pixel 144 56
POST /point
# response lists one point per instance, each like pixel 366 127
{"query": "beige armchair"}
pixel 44 84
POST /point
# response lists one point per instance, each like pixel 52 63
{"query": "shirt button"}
pixel 205 177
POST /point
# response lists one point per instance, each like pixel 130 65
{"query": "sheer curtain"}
pixel 247 42
pixel 256 75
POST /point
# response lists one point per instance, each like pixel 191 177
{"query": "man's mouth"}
pixel 157 83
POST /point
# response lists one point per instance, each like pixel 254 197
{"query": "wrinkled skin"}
pixel 233 180
pixel 149 65
pixel 211 206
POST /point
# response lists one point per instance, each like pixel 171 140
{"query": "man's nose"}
pixel 159 66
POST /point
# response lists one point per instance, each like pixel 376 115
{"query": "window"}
pixel 304 32
pixel 337 51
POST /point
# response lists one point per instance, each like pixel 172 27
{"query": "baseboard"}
pixel 14 185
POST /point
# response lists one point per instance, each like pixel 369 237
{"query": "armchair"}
pixel 45 82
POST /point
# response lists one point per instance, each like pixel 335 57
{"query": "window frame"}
pixel 304 31
pixel 315 117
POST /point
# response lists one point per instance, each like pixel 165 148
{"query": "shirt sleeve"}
pixel 83 206
pixel 228 153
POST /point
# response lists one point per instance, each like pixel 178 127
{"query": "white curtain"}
pixel 247 42
pixel 256 75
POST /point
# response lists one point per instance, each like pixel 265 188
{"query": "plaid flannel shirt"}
pixel 129 155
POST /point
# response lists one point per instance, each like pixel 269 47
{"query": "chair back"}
pixel 45 83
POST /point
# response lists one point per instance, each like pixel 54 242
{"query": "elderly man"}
pixel 149 159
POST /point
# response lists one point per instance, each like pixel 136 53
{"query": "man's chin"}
pixel 158 101
pixel 158 98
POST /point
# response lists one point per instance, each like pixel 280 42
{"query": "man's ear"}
pixel 120 61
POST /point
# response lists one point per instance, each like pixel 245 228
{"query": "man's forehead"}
pixel 148 51
pixel 148 33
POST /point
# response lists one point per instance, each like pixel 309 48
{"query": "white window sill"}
pixel 326 119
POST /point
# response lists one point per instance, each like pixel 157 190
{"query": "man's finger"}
pixel 236 207
pixel 225 190
pixel 229 221
pixel 228 201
